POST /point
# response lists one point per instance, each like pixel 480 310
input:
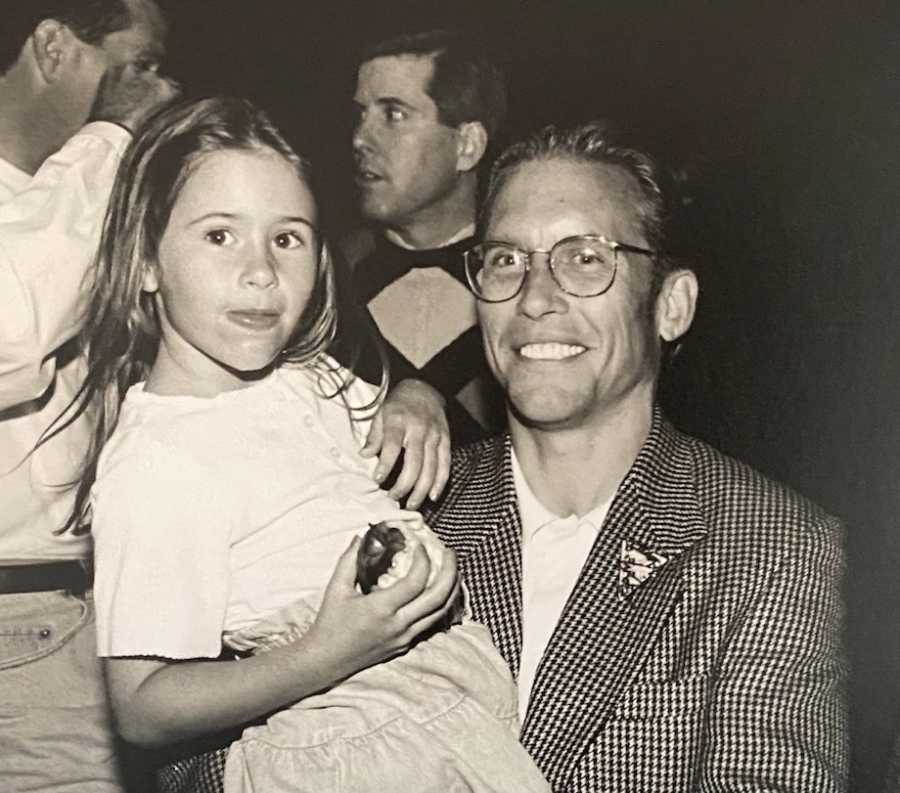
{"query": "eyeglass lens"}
pixel 580 266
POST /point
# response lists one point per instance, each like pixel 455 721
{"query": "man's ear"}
pixel 676 304
pixel 50 43
pixel 471 145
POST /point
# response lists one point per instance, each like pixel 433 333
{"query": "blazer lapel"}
pixel 480 520
pixel 604 636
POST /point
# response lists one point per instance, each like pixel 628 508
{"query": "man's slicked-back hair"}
pixel 465 85
pixel 90 20
pixel 592 142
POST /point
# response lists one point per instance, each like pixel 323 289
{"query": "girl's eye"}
pixel 219 236
pixel 395 114
pixel 289 239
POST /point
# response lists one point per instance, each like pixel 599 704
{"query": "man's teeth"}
pixel 551 351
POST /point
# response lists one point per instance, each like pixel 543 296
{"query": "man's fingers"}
pixel 442 471
pixel 374 438
pixel 126 96
pixel 391 446
pixel 412 464
pixel 427 474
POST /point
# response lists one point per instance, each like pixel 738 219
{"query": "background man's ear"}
pixel 50 43
pixel 471 145
pixel 676 304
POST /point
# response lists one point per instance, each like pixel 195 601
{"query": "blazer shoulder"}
pixel 476 470
pixel 733 494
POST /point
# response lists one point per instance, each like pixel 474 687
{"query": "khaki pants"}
pixel 56 733
pixel 441 718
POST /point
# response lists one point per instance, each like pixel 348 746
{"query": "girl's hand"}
pixel 412 421
pixel 355 631
pixel 160 702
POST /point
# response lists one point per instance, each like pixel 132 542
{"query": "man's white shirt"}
pixel 554 549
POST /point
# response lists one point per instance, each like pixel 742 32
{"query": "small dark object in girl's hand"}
pixel 376 554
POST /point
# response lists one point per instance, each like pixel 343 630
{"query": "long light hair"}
pixel 121 333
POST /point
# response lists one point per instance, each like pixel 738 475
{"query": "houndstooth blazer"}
pixel 722 670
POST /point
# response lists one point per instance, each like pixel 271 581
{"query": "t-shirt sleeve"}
pixel 49 234
pixel 162 522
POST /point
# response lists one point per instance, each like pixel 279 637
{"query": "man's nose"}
pixel 362 134
pixel 540 293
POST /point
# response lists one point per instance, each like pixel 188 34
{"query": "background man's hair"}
pixel 465 85
pixel 90 20
pixel 592 143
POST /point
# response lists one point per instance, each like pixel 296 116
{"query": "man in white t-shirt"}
pixel 61 65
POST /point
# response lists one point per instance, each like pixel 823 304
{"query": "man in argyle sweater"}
pixel 426 106
pixel 672 617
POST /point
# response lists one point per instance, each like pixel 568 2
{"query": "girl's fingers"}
pixel 343 579
pixel 435 597
pixel 408 588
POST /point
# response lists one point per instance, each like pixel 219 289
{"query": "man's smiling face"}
pixel 562 359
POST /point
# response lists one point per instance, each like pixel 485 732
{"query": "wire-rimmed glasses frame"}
pixel 601 274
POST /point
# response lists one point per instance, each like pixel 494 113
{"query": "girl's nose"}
pixel 260 271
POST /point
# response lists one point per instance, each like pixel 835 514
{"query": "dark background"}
pixel 784 120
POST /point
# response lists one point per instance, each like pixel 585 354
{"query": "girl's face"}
pixel 237 264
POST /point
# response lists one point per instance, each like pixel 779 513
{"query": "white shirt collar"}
pixel 465 231
pixel 535 515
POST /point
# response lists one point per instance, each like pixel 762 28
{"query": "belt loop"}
pixel 88 566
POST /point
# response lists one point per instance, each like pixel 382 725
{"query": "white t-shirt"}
pixel 49 230
pixel 210 514
pixel 554 550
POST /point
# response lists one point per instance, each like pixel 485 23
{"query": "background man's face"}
pixel 406 159
pixel 137 48
pixel 563 359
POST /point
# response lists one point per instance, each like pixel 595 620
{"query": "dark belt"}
pixel 17 579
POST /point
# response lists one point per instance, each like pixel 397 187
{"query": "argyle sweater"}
pixel 418 304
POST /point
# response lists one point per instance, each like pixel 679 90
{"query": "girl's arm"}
pixel 158 702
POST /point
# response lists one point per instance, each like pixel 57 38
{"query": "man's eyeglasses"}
pixel 583 266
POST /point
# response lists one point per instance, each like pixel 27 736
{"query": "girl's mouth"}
pixel 255 320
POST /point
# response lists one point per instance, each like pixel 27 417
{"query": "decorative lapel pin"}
pixel 637 565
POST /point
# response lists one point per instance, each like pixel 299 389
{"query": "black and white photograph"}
pixel 497 396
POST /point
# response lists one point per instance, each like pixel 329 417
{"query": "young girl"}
pixel 230 480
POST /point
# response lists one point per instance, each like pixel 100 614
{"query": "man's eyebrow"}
pixel 394 101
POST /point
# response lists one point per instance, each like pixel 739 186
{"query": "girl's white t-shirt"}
pixel 211 514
